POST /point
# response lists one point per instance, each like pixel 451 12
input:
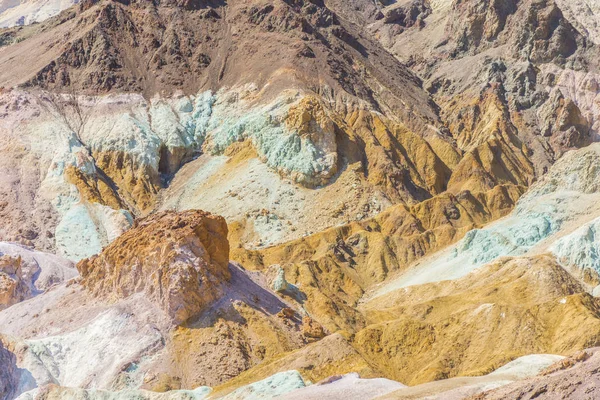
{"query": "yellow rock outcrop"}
pixel 494 155
pixel 335 267
pixel 93 188
pixel 139 184
pixel 473 325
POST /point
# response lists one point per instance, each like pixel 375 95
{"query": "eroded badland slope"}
pixel 395 193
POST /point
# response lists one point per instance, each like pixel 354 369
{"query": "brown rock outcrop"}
pixel 310 120
pixel 93 188
pixel 494 153
pixel 311 329
pixel 178 260
pixel 140 183
pixel 13 289
pixel 462 49
pixel 535 29
pixel 564 124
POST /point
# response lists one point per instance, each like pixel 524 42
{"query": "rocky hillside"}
pixel 349 140
pixel 394 193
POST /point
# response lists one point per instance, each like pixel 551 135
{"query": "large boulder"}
pixel 178 260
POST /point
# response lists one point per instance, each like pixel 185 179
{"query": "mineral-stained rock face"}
pixel 13 288
pixel 361 256
pixel 113 153
pixel 505 91
pixel 366 253
pixel 462 49
pixel 177 260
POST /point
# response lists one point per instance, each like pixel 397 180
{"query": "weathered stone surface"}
pixel 13 287
pixel 311 329
pixel 178 260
